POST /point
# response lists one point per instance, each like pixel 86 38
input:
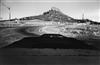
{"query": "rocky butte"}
pixel 50 22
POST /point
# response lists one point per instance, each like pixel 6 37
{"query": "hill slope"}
pixel 52 15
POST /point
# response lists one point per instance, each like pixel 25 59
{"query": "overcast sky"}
pixel 72 8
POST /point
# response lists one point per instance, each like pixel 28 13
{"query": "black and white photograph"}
pixel 49 32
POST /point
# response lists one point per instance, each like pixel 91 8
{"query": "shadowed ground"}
pixel 22 56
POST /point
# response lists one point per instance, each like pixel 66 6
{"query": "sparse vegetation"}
pixel 85 28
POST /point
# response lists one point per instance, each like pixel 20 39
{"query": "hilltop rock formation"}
pixel 54 14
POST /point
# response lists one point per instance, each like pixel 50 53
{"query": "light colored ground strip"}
pixel 69 34
pixel 51 30
pixel 28 23
pixel 36 30
pixel 56 30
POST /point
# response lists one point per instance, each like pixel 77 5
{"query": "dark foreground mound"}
pixel 41 50
pixel 51 41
